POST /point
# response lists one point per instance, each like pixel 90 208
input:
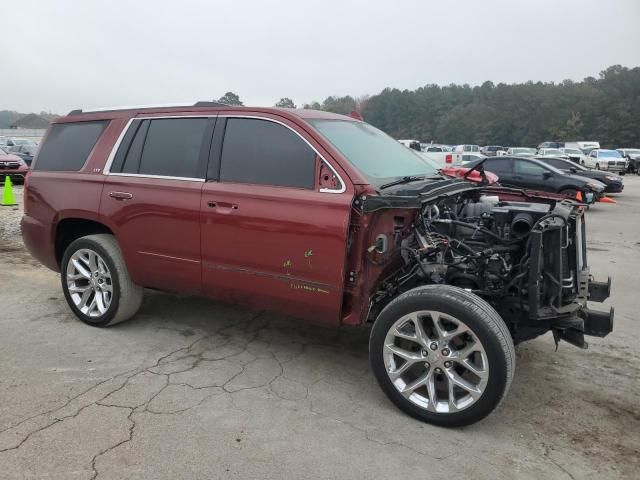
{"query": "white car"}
pixel 609 160
pixel 575 155
pixel 466 149
pixel 551 152
pixel 519 152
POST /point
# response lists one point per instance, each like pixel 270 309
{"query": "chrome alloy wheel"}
pixel 89 283
pixel 435 361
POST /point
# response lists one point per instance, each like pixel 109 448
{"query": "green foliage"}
pixel 230 98
pixel 285 102
pixel 606 109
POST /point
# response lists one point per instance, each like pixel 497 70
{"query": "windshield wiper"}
pixel 400 181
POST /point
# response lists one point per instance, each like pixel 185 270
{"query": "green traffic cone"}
pixel 7 193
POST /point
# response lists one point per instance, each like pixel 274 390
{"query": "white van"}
pixel 466 149
pixel 585 146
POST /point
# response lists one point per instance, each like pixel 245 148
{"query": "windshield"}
pixel 609 154
pixel 378 156
pixel 632 151
pixel 552 151
pixel 2 152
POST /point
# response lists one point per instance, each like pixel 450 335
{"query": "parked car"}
pixel 15 142
pixel 491 150
pixel 612 182
pixel 435 147
pixel 551 152
pixel 412 144
pixel 531 173
pixel 25 152
pixel 551 145
pixel 471 157
pixel 574 154
pixel 466 149
pixel 609 160
pixel 319 216
pixel 632 155
pixel 13 166
pixel 520 151
pixel 585 146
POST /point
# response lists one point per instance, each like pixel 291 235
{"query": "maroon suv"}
pixel 319 216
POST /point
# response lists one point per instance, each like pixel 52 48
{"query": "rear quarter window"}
pixel 68 145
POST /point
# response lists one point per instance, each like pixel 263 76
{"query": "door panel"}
pixel 157 223
pixel 275 247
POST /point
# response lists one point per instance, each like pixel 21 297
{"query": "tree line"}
pixel 606 109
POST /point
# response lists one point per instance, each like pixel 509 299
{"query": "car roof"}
pixel 202 108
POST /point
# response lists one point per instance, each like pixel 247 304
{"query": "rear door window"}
pixel 68 145
pixel 522 167
pixel 166 147
pixel 501 166
pixel 262 152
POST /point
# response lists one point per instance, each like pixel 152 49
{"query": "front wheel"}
pixel 442 355
pixel 96 283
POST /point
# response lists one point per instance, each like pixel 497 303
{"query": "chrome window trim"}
pixel 112 154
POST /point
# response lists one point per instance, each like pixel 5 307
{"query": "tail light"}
pixel 448 158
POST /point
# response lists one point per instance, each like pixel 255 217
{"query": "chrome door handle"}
pixel 121 195
pixel 222 207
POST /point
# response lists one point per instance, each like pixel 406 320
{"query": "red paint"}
pixel 13 166
pixel 299 252
pixel 474 176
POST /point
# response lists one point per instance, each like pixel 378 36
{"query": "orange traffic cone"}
pixel 579 196
pixel 607 200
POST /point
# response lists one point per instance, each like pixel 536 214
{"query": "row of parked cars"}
pixel 588 153
pixel 16 155
pixel 564 169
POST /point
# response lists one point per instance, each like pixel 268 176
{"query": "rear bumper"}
pixel 37 239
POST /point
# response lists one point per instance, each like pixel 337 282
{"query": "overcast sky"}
pixel 59 55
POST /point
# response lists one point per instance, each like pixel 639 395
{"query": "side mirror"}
pixel 547 174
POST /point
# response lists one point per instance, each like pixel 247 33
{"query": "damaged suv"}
pixel 318 216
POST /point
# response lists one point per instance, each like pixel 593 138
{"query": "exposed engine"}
pixel 484 245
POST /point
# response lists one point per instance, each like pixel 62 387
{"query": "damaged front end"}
pixel 523 252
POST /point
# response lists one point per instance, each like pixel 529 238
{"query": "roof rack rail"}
pixel 204 103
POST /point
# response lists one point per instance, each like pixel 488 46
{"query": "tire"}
pixel 597 166
pixel 124 298
pixel 483 324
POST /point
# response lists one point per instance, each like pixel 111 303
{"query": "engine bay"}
pixel 519 256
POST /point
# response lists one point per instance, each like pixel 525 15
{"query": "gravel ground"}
pixel 193 389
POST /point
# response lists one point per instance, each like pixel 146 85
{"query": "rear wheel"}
pixel 442 355
pixel 96 282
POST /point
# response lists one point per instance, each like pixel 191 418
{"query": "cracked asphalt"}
pixel 193 389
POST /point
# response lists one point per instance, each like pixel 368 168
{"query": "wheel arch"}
pixel 69 229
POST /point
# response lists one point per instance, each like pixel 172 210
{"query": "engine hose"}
pixel 484 231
